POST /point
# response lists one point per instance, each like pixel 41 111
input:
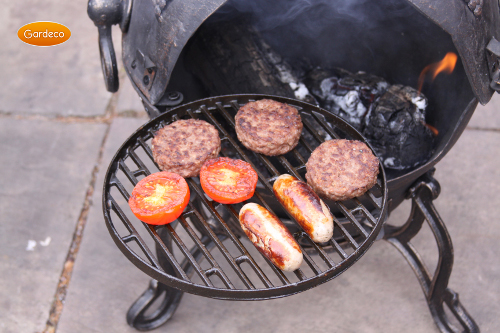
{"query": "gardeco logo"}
pixel 44 33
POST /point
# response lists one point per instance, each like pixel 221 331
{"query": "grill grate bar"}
pixel 325 126
pixel 311 130
pixel 130 175
pixel 299 156
pixel 306 144
pixel 269 165
pixel 373 199
pixel 185 251
pixel 138 239
pixel 289 167
pixel 129 238
pixel 236 106
pixel 143 169
pixel 167 253
pixel 300 274
pixel 146 148
pixel 351 218
pixel 376 201
pixel 366 213
pixel 338 248
pixel 115 182
pixel 205 252
pixel 222 248
pixel 323 255
pixel 345 233
pixel 310 262
pixel 235 240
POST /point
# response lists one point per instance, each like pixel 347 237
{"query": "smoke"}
pixel 388 38
pixel 314 15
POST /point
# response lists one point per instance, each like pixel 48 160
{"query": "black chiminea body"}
pixel 392 39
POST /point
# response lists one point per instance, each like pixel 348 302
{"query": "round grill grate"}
pixel 233 269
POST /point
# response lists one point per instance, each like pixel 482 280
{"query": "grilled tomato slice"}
pixel 160 198
pixel 228 181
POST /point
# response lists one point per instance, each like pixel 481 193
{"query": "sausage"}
pixel 305 206
pixel 270 237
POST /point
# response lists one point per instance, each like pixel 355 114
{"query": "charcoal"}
pixel 396 128
pixel 348 95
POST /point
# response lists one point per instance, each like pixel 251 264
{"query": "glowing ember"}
pixel 446 65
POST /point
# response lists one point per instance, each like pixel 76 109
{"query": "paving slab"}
pixel 487 116
pixel 379 293
pixel 60 80
pixel 45 170
pixel 104 282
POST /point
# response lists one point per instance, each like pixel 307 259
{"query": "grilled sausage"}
pixel 270 237
pixel 305 206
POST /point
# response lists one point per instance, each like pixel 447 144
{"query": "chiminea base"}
pixel 435 288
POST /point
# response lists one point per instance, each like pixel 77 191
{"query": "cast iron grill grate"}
pixel 233 268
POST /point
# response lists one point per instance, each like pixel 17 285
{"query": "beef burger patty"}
pixel 268 127
pixel 183 146
pixel 342 169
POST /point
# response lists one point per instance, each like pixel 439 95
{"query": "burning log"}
pixel 347 95
pixel 395 127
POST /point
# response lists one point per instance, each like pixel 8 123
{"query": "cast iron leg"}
pixel 136 315
pixel 435 287
pixel 165 309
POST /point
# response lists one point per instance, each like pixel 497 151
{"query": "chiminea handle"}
pixel 105 13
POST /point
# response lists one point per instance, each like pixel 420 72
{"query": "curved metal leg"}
pixel 435 287
pixel 136 315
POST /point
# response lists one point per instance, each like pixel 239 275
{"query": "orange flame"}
pixel 446 65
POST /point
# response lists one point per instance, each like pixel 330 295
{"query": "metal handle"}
pixel 105 13
pixel 108 59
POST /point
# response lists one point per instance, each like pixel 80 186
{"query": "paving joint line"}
pixel 482 129
pixel 71 119
pixel 65 277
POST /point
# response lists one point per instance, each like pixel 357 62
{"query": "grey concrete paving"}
pixel 487 116
pixel 45 171
pixel 379 293
pixel 62 80
pixel 106 282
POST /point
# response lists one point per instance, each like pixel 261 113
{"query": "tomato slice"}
pixel 160 198
pixel 228 181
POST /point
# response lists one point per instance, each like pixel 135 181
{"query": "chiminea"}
pixel 181 51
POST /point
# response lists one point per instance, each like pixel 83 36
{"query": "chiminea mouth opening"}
pixel 389 39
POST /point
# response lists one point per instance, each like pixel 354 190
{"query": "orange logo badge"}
pixel 44 33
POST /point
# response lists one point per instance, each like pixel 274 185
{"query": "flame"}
pixel 446 65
